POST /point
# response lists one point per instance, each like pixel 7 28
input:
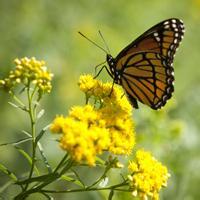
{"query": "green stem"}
pixel 100 178
pixel 38 188
pixel 113 187
pixel 61 162
pixel 33 130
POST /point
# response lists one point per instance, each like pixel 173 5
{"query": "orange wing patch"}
pixel 132 71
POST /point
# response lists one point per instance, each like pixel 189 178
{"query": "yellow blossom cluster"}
pixel 115 109
pixel 27 71
pixel 148 176
pixel 84 134
pixel 89 130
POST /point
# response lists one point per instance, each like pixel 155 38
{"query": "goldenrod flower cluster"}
pixel 89 130
pixel 148 176
pixel 27 71
pixel 84 134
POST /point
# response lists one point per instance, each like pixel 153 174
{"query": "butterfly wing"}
pixel 146 64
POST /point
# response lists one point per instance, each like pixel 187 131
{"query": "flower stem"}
pixel 38 188
pixel 31 112
pixel 116 187
pixel 61 162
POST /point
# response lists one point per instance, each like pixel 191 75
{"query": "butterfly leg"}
pixel 112 88
pixel 101 71
pixel 122 95
pixel 98 66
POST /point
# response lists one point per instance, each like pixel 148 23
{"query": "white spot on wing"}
pixel 173 21
pixel 174 25
pixel 155 34
pixel 158 39
pixel 166 27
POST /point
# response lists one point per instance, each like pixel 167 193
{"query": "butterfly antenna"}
pixel 93 42
pixel 104 41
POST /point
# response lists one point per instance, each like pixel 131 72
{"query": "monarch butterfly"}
pixel 145 67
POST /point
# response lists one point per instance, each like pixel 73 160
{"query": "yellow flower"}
pixel 87 84
pixel 116 111
pixel 58 124
pixel 106 126
pixel 84 134
pixel 148 175
pixel 27 71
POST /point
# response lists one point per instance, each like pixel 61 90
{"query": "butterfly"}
pixel 145 67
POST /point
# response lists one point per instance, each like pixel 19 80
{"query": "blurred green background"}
pixel 48 30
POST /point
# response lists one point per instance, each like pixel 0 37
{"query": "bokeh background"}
pixel 48 30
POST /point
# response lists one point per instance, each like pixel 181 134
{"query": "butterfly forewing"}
pixel 146 64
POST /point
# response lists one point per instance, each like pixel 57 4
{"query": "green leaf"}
pixel 13 105
pixel 70 179
pixel 104 182
pixel 27 158
pixel 100 160
pixel 44 158
pixel 40 114
pixel 43 178
pixel 5 170
pixel 17 106
pixel 111 194
pixel 5 186
pixel 27 133
pixel 22 90
pixel 17 142
pixel 47 196
pixel 41 133
pixel 78 177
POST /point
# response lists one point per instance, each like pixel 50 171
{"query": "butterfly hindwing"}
pixel 146 64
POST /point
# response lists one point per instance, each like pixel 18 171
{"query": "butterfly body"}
pixel 145 67
pixel 115 74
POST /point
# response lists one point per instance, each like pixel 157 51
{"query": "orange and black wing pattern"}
pixel 146 67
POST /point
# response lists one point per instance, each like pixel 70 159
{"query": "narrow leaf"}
pixel 17 106
pixel 100 161
pixel 111 194
pixel 47 196
pixel 14 105
pixel 78 177
pixel 17 142
pixel 44 158
pixel 41 133
pixel 104 182
pixel 40 114
pixel 22 90
pixel 39 136
pixel 42 178
pixel 70 179
pixel 5 186
pixel 28 158
pixel 26 133
pixel 5 170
